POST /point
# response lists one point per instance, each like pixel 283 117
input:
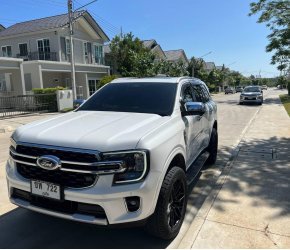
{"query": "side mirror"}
pixel 194 108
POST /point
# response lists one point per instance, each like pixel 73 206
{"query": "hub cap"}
pixel 176 204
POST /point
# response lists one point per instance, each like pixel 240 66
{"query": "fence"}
pixel 25 104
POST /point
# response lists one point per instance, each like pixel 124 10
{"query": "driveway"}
pixel 24 229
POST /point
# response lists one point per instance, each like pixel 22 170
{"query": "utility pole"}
pixel 72 61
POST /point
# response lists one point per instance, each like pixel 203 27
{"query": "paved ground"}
pixel 226 208
pixel 250 204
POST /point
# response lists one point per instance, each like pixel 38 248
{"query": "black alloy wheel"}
pixel 176 204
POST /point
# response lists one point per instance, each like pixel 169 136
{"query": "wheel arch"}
pixel 177 156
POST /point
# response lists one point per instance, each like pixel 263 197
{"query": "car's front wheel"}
pixel 170 210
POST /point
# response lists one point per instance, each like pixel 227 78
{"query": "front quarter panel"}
pixel 164 144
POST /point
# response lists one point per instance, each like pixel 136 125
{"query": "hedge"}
pixel 47 90
pixel 48 100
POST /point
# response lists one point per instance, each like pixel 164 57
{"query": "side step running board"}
pixel 196 167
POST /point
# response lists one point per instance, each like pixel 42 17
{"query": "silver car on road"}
pixel 252 94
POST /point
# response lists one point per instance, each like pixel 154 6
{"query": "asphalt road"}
pixel 24 229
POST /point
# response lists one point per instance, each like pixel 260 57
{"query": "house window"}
pixel 67 47
pixel 23 51
pixel 99 58
pixel 2 83
pixel 43 49
pixel 93 86
pixel 7 51
pixel 88 52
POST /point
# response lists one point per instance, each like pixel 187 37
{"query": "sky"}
pixel 221 27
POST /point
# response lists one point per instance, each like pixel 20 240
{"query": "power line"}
pixel 106 25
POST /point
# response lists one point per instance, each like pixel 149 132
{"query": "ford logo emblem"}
pixel 49 162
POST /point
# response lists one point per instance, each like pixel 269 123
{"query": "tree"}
pixel 130 56
pixel 173 69
pixel 276 15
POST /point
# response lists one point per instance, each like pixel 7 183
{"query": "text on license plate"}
pixel 45 189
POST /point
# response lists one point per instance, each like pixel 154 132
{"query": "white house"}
pixel 44 46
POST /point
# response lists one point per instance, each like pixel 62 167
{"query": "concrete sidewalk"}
pixel 250 205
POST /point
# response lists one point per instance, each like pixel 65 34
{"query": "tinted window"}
pixel 187 95
pixel 198 93
pixel 252 89
pixel 205 93
pixel 154 98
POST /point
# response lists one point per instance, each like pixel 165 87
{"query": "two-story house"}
pixel 44 46
pixel 176 56
pixel 155 48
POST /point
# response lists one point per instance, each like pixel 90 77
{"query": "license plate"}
pixel 45 189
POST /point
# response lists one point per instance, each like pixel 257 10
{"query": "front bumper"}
pixel 255 100
pixel 110 198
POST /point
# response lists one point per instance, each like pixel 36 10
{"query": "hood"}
pixel 95 130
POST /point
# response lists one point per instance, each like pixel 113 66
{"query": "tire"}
pixel 212 147
pixel 168 217
pixel 241 103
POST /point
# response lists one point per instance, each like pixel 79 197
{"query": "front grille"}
pixel 62 178
pixel 63 154
pixel 64 206
pixel 250 98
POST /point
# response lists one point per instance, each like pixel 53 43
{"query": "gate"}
pixel 25 104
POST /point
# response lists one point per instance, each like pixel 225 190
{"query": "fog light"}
pixel 133 203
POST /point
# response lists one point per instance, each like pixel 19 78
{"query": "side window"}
pixel 187 95
pixel 197 90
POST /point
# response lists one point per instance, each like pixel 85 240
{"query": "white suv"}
pixel 125 155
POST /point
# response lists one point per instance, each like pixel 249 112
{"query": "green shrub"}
pixel 288 86
pixel 47 90
pixel 45 98
pixel 106 79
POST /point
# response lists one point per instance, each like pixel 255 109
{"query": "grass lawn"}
pixel 285 99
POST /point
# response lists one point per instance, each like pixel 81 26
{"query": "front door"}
pixel 206 118
pixel 193 126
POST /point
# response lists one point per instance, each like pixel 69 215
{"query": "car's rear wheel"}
pixel 212 147
pixel 170 210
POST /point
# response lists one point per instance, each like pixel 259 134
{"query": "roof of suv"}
pixel 154 79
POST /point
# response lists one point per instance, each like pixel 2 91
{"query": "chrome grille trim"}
pixel 120 164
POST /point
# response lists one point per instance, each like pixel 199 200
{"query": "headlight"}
pixel 136 163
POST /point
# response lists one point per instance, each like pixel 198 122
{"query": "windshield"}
pixel 149 97
pixel 252 89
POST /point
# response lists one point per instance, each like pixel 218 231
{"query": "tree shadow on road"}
pixel 261 172
pixel 21 228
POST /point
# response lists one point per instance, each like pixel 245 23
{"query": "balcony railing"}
pixel 46 56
